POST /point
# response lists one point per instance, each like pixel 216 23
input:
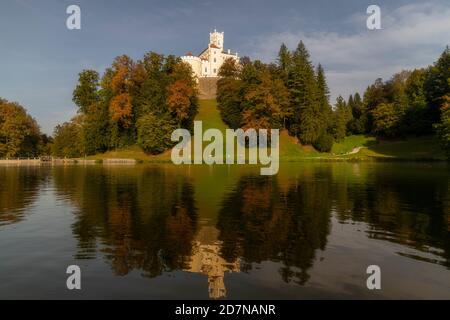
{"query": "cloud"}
pixel 412 36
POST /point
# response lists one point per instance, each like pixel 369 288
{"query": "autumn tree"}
pixel 264 103
pixel 386 119
pixel 179 100
pixel 20 135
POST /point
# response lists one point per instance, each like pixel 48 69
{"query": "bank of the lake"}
pixel 352 148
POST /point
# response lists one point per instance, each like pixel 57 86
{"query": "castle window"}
pixel 214 59
pixel 214 70
pixel 206 70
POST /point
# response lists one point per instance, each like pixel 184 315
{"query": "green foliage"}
pixel 154 134
pixel 68 139
pixel 324 143
pixel 86 91
pixel 341 117
pixel 96 131
pixel 409 103
pixel 265 102
pixel 289 94
pixel 307 122
pixel 229 93
pixel 443 127
pixel 437 84
pixel 386 119
pixel 19 133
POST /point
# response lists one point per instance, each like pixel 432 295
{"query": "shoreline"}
pixel 133 162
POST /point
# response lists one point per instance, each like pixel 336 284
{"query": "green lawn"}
pixel 352 142
pixel 368 148
pixel 417 148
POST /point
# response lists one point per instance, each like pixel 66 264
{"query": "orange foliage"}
pixel 120 109
pixel 118 81
pixel 178 100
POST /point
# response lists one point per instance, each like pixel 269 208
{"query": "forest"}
pixel 293 95
pixel 142 102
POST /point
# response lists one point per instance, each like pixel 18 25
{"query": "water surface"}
pixel 199 232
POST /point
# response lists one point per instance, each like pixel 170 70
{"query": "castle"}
pixel 209 61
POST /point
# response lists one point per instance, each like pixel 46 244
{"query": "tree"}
pixel 95 129
pixel 179 100
pixel 437 84
pixel 284 62
pixel 264 103
pixel 373 96
pixel 306 122
pixel 358 123
pixel 68 139
pixel 418 118
pixel 229 87
pixel 154 134
pixel 121 110
pixel 20 135
pixel 323 99
pixel 386 120
pixel 443 127
pixel 86 91
pixel 342 116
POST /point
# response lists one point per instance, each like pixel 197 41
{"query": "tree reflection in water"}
pixel 144 219
pixel 260 221
pixel 19 189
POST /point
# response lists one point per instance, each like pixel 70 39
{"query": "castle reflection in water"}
pixel 206 259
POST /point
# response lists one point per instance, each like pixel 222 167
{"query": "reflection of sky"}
pixel 40 58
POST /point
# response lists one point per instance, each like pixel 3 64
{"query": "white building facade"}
pixel 209 61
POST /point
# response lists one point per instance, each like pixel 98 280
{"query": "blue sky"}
pixel 40 59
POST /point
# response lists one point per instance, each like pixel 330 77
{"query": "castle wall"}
pixel 211 59
pixel 195 63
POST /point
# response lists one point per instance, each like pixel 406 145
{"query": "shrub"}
pixel 324 143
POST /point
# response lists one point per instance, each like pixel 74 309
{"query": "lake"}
pixel 199 232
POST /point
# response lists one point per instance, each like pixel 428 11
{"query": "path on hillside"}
pixel 354 151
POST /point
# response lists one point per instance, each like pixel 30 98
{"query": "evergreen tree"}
pixel 342 116
pixel 284 62
pixel 306 122
pixel 323 100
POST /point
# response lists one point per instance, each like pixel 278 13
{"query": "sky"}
pixel 40 58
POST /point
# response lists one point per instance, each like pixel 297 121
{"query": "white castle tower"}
pixel 209 61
